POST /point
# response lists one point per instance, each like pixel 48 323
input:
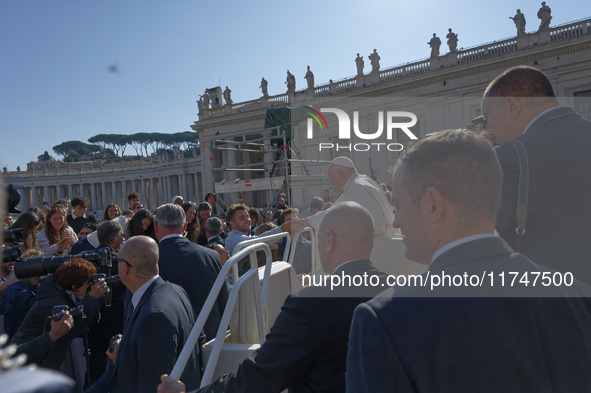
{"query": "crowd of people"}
pixel 191 249
pixel 456 198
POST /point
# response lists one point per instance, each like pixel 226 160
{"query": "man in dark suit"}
pixel 213 228
pixel 157 328
pixel 193 267
pixel 80 215
pixel 520 106
pixel 306 348
pixel 459 336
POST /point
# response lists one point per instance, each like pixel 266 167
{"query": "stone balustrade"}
pixel 496 48
pixel 570 30
pixel 60 168
pixel 485 51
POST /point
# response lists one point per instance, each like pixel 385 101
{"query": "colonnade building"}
pixel 242 159
pixel 109 181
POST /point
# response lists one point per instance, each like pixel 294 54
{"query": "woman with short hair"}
pixel 70 286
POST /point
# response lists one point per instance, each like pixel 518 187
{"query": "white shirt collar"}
pixel 137 296
pixel 75 216
pixel 458 242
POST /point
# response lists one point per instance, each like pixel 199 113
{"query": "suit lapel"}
pixel 127 327
pixel 151 289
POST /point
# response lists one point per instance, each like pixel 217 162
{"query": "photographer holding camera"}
pixel 110 236
pixel 71 286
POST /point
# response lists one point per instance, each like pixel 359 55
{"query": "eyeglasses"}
pixel 124 261
pixel 131 267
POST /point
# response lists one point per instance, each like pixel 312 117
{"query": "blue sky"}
pixel 56 85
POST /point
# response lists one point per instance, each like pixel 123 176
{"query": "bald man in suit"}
pixel 155 331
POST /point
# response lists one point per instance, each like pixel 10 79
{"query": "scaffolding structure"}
pixel 263 166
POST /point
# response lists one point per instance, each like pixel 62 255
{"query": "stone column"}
pixel 206 164
pixel 199 187
pixel 34 197
pixel 190 188
pixel 160 190
pixel 103 195
pixel 143 189
pixel 59 192
pixel 113 198
pixel 170 188
pixel 182 187
pixel 93 196
pixel 46 196
pixel 125 190
pixel 70 192
pixel 25 202
pixel 152 194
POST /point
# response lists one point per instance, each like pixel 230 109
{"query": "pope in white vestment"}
pixel 355 187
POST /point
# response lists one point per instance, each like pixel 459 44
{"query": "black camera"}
pixel 97 277
pixel 57 312
pixel 110 281
pixel 103 259
pixel 13 236
pixel 11 254
pixel 113 281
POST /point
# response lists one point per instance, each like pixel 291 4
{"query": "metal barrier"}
pixel 265 240
pixel 220 282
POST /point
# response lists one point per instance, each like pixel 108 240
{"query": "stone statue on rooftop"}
pixel 434 43
pixel 375 61
pixel 206 99
pixel 309 77
pixel 359 63
pixel 290 82
pixel 519 20
pixel 452 41
pixel 201 105
pixel 263 87
pixel 227 96
pixel 544 15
